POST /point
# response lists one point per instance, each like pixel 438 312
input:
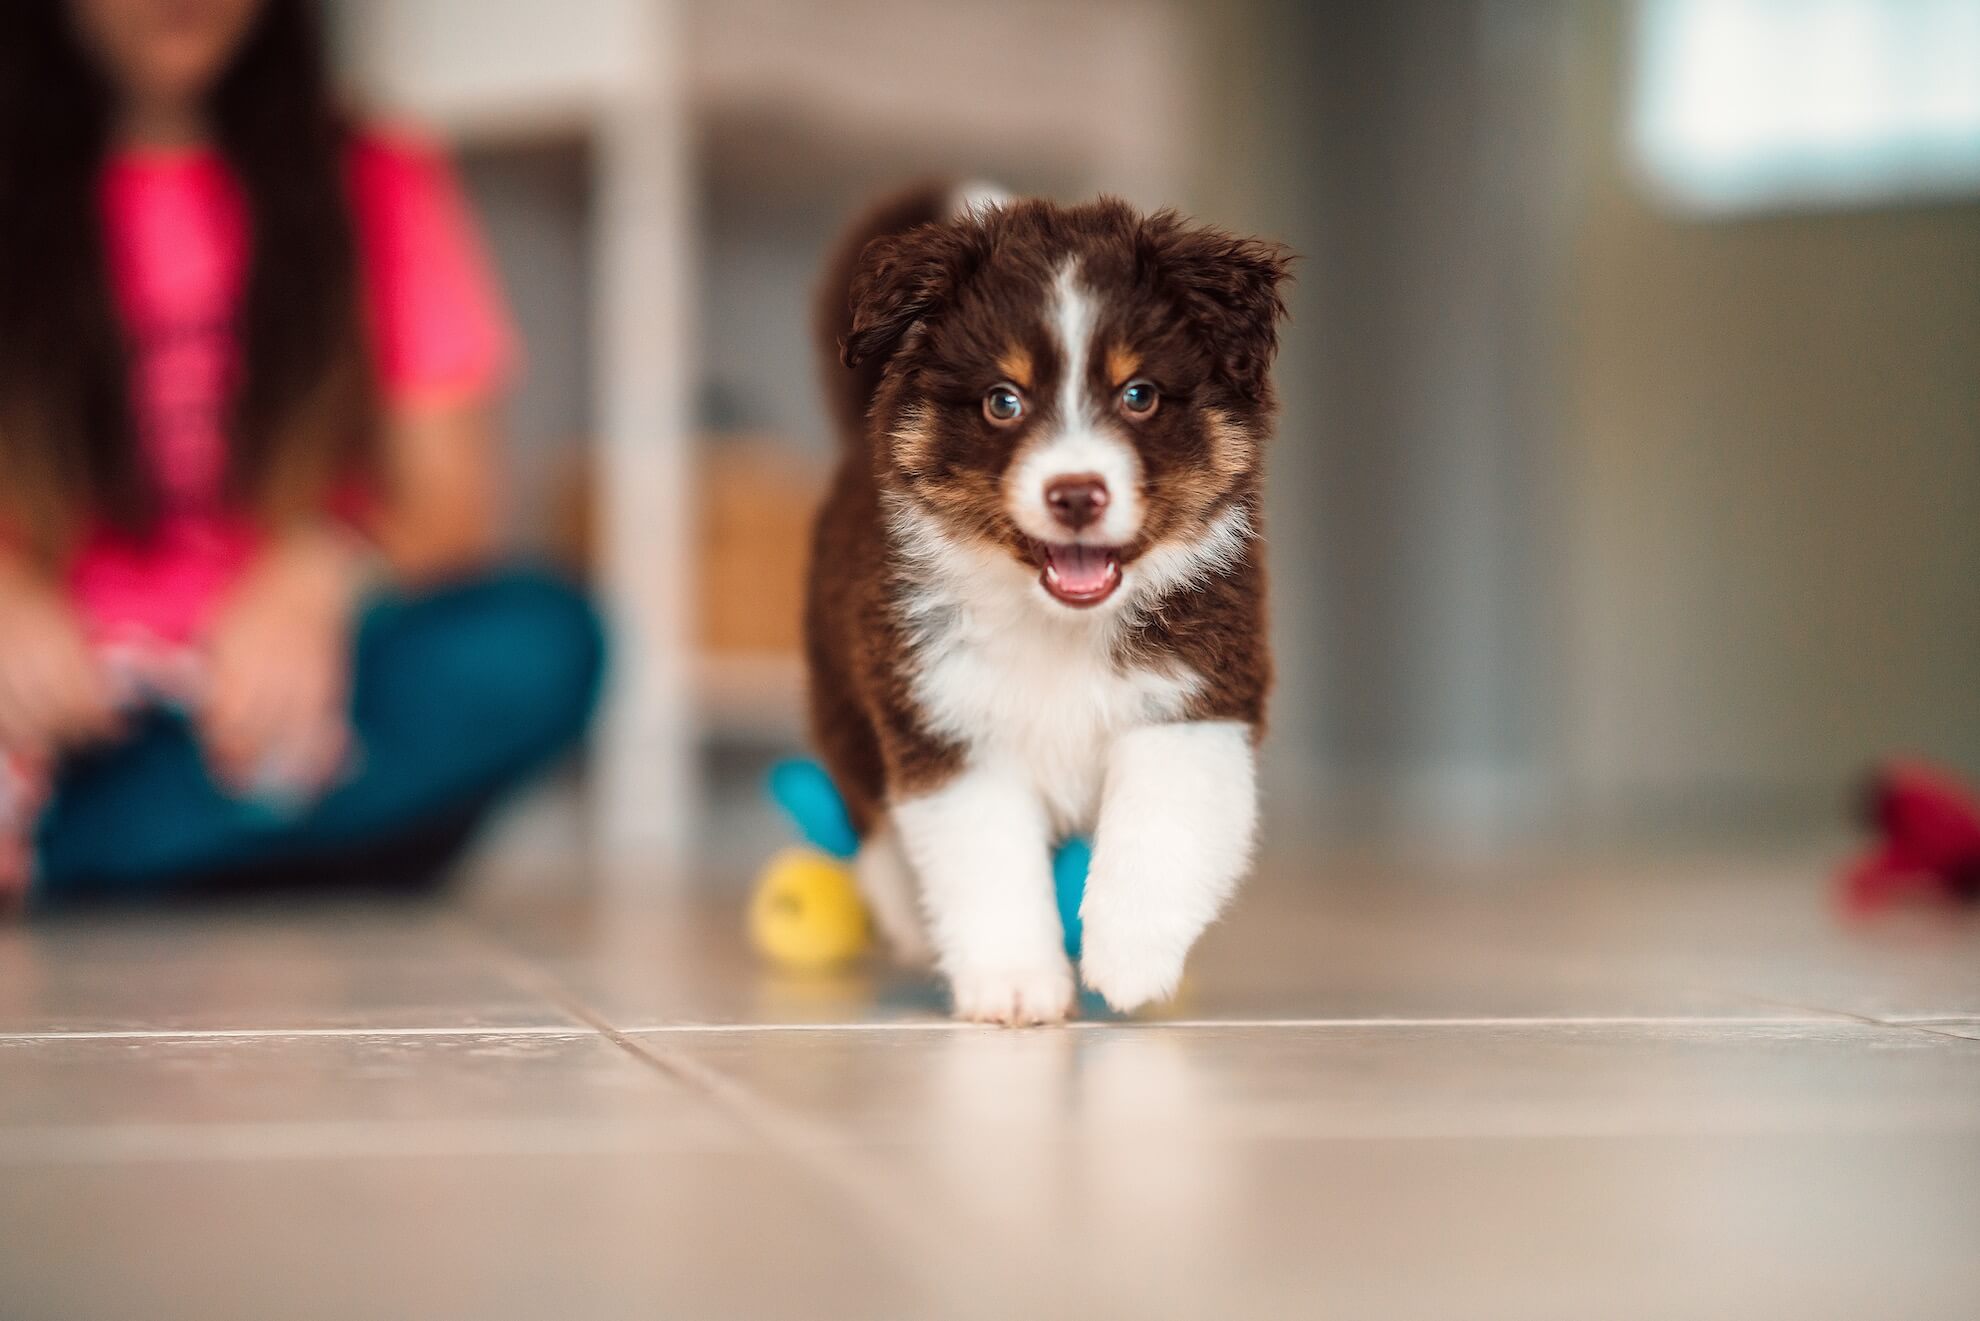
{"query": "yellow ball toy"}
pixel 807 914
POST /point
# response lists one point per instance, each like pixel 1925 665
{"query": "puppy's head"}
pixel 1083 389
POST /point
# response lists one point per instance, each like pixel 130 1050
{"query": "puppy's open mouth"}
pixel 1080 575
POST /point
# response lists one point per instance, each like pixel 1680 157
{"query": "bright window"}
pixel 1743 105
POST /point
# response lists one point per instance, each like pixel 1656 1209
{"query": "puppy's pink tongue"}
pixel 1082 569
pixel 1081 575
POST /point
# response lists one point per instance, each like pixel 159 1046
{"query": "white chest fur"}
pixel 1027 685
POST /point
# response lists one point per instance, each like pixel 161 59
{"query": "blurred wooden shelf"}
pixel 799 96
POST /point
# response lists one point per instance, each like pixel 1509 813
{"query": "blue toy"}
pixel 808 796
pixel 812 802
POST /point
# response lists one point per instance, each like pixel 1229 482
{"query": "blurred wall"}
pixel 1411 152
pixel 1772 457
pixel 1250 172
pixel 1582 513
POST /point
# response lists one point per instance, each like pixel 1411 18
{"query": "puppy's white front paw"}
pixel 1131 965
pixel 1015 997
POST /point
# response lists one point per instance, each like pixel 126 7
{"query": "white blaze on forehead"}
pixel 1072 321
pixel 1079 439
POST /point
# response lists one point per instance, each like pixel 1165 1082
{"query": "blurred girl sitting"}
pixel 248 360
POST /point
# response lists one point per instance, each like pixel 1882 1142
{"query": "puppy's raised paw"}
pixel 1014 997
pixel 1129 972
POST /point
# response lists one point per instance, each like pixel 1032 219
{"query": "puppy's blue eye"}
pixel 1003 404
pixel 1138 397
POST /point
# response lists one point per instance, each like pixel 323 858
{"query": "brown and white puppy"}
pixel 1037 598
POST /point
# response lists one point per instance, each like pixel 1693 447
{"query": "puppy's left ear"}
pixel 1231 289
pixel 901 279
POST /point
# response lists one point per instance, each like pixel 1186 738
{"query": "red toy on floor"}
pixel 1928 840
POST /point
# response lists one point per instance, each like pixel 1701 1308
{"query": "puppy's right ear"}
pixel 902 279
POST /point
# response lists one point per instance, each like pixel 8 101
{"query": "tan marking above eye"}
pixel 1016 366
pixel 1122 364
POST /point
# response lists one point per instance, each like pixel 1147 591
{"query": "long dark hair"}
pixel 303 409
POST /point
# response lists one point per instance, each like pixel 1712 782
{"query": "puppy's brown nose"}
pixel 1078 500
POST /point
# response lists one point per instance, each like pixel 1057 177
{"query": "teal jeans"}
pixel 457 697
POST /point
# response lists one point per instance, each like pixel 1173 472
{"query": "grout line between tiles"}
pixel 938 1261
pixel 1931 1026
pixel 311 1140
pixel 572 1029
pixel 1091 1025
pixel 587 1026
pixel 1813 1012
pixel 1929 1029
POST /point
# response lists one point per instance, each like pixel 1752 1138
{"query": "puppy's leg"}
pixel 1176 825
pixel 888 884
pixel 980 845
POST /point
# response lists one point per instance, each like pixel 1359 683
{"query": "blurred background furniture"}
pixel 659 181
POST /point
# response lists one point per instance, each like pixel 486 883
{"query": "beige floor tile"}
pixel 1504 1088
pixel 1751 1170
pixel 1905 964
pixel 974 1086
pixel 297 1097
pixel 1282 954
pixel 1688 932
pixel 529 1236
pixel 312 967
pixel 688 962
pixel 1278 960
pixel 1757 1228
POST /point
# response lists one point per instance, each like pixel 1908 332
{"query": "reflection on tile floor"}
pixel 1545 1090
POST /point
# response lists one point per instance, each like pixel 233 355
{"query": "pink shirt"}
pixel 177 240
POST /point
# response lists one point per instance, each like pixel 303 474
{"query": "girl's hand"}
pixel 53 696
pixel 278 682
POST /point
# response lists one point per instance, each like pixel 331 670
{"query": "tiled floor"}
pixel 1524 1091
